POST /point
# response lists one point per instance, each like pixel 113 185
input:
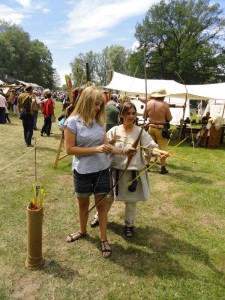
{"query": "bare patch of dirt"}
pixel 213 220
pixel 166 208
pixel 26 288
pixel 65 179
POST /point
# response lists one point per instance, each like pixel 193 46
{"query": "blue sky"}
pixel 68 27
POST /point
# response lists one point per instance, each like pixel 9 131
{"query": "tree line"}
pixel 24 59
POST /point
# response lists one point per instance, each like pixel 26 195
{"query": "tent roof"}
pixel 34 85
pixel 136 85
pixel 174 89
pixel 208 91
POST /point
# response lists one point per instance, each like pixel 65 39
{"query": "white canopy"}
pixel 177 93
pixel 34 85
pixel 176 90
pixel 208 91
pixel 136 85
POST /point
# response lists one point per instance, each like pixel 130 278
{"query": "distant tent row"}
pixel 174 89
pixel 17 84
pixel 177 93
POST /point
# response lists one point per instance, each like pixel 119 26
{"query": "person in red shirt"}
pixel 48 111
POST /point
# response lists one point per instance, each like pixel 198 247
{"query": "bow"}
pixel 185 105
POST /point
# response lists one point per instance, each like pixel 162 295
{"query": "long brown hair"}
pixel 85 106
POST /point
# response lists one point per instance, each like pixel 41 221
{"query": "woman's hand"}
pixel 113 140
pixel 160 153
pixel 104 148
pixel 130 152
pixel 164 153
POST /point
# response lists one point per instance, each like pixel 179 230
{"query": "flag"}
pixel 68 82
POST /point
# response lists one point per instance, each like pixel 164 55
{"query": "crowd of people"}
pixel 26 103
pixel 110 151
pixel 7 103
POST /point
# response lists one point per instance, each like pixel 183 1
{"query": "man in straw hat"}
pixel 158 114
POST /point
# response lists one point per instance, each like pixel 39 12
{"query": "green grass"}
pixel 178 249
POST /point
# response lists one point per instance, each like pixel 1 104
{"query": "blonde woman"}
pixel 85 139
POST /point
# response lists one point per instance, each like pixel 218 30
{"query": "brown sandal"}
pixel 105 249
pixel 75 236
pixel 129 231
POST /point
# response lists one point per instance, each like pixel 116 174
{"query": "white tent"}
pixel 216 108
pixel 178 93
pixel 174 89
pixel 207 91
pixel 136 85
pixel 34 85
pixel 178 113
pixel 215 94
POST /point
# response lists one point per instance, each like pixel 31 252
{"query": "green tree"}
pixel 39 65
pixel 136 64
pixel 78 66
pixel 23 59
pixel 113 58
pixel 183 36
pixel 117 58
pixel 102 68
pixel 15 45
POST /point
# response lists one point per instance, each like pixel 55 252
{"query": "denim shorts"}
pixel 97 183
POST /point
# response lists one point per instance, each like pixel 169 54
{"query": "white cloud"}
pixel 85 21
pixel 24 3
pixel 46 10
pixel 17 15
pixel 90 20
pixel 11 15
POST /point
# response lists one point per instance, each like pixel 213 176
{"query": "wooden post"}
pixel 70 94
pixel 59 152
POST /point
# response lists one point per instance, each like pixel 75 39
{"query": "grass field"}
pixel 178 251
